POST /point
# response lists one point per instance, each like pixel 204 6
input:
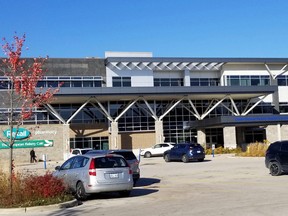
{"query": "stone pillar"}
pixel 284 132
pixel 114 139
pixel 201 137
pixel 66 141
pixel 159 135
pixel 273 133
pixel 229 134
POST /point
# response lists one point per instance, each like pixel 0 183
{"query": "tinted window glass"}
pixel 126 155
pixel 110 162
pixel 67 164
pixel 284 146
pixel 78 162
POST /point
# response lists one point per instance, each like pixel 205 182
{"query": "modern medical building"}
pixel 134 100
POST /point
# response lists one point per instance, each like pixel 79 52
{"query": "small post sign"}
pixel 213 149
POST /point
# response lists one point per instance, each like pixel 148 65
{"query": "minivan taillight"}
pixel 130 170
pixel 92 170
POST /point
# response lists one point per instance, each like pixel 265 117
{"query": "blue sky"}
pixel 168 28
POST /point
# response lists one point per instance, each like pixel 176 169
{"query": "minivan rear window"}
pixel 127 155
pixel 110 162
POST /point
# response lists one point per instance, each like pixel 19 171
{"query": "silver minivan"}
pixel 88 174
pixel 128 155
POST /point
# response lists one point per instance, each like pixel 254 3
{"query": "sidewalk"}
pixel 38 168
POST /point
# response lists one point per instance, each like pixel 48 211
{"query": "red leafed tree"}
pixel 21 78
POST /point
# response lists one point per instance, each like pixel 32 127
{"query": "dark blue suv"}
pixel 276 158
pixel 185 152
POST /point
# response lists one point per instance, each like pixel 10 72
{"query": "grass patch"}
pixel 32 190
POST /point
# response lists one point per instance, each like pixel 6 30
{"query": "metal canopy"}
pixel 201 64
pixel 80 95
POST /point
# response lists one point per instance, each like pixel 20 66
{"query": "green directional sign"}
pixel 29 144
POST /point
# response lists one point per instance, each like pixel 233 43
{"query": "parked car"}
pixel 128 155
pixel 276 158
pixel 185 152
pixel 79 151
pixel 88 174
pixel 156 150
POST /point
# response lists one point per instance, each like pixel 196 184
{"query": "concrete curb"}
pixel 68 204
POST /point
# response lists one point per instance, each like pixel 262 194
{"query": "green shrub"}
pixel 32 190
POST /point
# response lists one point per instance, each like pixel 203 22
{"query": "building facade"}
pixel 134 100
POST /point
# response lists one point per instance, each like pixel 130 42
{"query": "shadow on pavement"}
pixel 146 182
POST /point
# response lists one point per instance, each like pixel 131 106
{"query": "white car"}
pixel 79 151
pixel 156 150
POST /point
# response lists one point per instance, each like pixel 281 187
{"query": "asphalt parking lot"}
pixel 221 185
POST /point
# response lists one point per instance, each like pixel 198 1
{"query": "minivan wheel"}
pixel 147 154
pixel 167 158
pixel 80 192
pixel 275 168
pixel 185 158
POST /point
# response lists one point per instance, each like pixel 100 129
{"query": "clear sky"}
pixel 168 28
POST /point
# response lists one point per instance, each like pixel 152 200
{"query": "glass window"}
pixel 76 84
pixel 65 84
pixel 40 84
pixel 194 82
pixel 87 83
pixel 116 81
pixel 156 82
pixel 52 84
pixel 282 81
pixel 97 83
pixel 204 82
pixel 255 81
pixel 126 81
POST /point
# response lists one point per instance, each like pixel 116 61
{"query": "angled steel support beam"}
pixel 234 106
pixel 282 71
pixel 77 111
pixel 126 108
pixel 54 112
pixel 103 110
pixel 215 105
pixel 196 114
pixel 169 109
pixel 152 113
pixel 254 105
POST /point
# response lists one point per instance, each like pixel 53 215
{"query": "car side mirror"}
pixel 57 168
